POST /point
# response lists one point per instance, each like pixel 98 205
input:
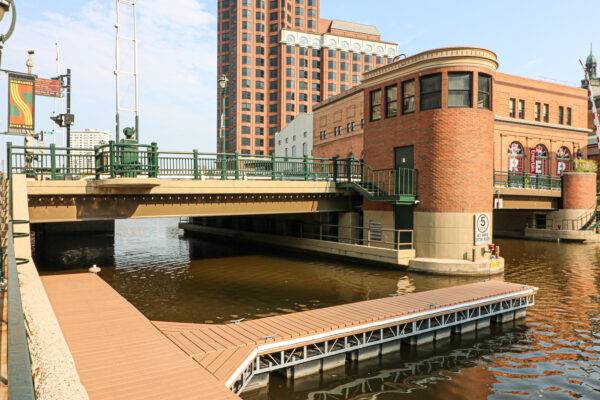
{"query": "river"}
pixel 554 353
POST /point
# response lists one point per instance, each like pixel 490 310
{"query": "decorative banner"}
pixel 594 111
pixel 21 104
pixel 532 160
pixel 48 87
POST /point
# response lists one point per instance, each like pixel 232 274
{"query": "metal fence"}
pixel 522 180
pixel 20 376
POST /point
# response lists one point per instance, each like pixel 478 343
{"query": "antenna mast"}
pixel 119 72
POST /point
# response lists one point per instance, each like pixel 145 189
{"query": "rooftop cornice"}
pixel 443 57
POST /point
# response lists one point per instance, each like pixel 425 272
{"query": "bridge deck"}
pixel 118 353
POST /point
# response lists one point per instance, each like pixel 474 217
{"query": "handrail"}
pixel 20 377
pixel 523 180
pixel 576 224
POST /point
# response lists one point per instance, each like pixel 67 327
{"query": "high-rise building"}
pixel 281 58
pixel 86 140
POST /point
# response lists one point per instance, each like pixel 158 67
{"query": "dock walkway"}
pixel 119 353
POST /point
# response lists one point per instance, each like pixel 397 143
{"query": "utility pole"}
pixel 119 72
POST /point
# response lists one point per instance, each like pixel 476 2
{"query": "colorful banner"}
pixel 532 160
pixel 594 111
pixel 48 87
pixel 21 104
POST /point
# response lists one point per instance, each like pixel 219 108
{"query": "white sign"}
pixel 483 225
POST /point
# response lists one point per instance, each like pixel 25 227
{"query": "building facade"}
pixel 451 116
pixel 296 139
pixel 87 139
pixel 281 58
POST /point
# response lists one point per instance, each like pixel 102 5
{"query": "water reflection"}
pixel 555 354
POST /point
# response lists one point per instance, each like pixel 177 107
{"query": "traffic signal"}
pixel 64 120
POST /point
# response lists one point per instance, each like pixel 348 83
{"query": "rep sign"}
pixel 483 226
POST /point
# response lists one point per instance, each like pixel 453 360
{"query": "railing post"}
pixel 524 176
pixel 112 159
pixel 153 173
pixel 335 169
pixel 53 161
pixel 537 181
pixel 9 159
pixel 237 166
pixel 196 173
pixel 349 169
pixel 306 174
pixel 97 161
pixel 273 167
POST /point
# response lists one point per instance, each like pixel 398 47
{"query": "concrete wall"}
pixel 296 133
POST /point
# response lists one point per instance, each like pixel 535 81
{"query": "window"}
pixel 546 113
pixel 331 64
pixel 561 115
pixel 294 151
pixel 331 87
pixel 522 109
pixel 459 89
pixel 512 104
pixel 484 92
pixel 391 101
pixel 569 115
pixel 431 91
pixel 408 96
pixel 375 105
pixel 537 111
pixel 331 76
pixel 305 149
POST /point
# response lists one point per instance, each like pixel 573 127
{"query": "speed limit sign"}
pixel 483 225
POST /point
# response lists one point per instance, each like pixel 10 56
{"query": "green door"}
pixel 404 158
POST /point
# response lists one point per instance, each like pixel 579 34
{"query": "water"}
pixel 554 353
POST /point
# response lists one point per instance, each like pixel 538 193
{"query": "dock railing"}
pixel 522 180
pixel 20 376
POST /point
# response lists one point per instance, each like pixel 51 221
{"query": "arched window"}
pixel 515 157
pixel 563 160
pixel 539 160
pixel 294 151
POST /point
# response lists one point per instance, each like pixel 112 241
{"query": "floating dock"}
pixel 117 351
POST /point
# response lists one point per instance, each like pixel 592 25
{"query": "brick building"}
pixel 281 58
pixel 451 116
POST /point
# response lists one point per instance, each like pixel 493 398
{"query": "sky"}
pixel 540 39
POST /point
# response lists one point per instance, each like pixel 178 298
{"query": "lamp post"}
pixel 223 81
pixel 4 7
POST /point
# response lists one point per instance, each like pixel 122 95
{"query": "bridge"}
pixel 138 181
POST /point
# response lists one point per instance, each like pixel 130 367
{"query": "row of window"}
pixel 304 150
pixel 337 131
pixel 541 111
pixel 459 94
pixel 539 157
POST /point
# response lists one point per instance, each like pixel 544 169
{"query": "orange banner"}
pixel 21 104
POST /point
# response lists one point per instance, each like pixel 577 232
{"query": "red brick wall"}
pixel 579 191
pixel 529 136
pixel 453 149
pixel 339 111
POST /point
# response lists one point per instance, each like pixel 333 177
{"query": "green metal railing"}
pixel 20 376
pixel 115 160
pixel 522 180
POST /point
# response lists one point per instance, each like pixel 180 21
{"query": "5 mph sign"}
pixel 483 225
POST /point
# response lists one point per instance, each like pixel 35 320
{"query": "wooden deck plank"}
pixel 118 353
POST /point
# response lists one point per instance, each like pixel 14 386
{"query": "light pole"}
pixel 4 7
pixel 223 81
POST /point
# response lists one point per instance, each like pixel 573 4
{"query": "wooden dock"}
pixel 119 353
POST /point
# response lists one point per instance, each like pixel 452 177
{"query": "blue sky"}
pixel 539 39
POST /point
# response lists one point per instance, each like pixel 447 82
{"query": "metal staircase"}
pixel 396 185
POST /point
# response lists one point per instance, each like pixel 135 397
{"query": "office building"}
pixel 281 58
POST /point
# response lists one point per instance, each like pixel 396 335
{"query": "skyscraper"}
pixel 281 58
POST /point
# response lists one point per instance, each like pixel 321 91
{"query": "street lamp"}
pixel 223 81
pixel 5 7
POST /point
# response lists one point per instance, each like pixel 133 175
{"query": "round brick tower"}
pixel 451 129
